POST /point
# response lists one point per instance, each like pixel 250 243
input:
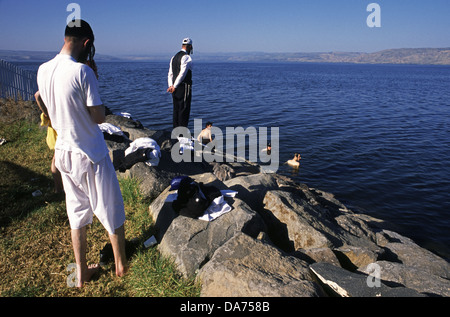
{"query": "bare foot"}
pixel 87 275
pixel 121 270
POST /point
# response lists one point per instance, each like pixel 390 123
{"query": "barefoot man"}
pixel 69 89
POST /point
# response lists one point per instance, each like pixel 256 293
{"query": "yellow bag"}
pixel 51 133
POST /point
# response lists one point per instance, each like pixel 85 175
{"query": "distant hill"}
pixel 429 56
pixel 38 56
pixel 423 56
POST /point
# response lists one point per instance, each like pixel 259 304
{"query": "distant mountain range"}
pixel 424 56
pixel 38 56
pixel 427 56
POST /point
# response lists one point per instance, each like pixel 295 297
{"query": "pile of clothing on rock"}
pixel 144 150
pixel 198 201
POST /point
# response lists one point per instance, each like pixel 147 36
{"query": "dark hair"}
pixel 79 29
pixel 208 124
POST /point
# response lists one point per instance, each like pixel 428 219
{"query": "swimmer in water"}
pixel 268 149
pixel 295 162
pixel 205 136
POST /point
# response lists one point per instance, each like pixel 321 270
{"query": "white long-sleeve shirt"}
pixel 186 64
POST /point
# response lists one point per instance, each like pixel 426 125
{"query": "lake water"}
pixel 376 136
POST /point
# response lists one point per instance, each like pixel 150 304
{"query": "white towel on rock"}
pixel 217 208
pixel 111 129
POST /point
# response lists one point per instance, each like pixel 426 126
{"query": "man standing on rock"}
pixel 69 90
pixel 180 84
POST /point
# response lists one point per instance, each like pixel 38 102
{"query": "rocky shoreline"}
pixel 281 239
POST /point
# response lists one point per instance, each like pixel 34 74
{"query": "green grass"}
pixel 35 243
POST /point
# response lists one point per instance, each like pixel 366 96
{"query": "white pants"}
pixel 90 189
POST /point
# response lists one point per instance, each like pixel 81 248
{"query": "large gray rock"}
pixel 182 168
pixel 123 123
pixel 404 250
pixel 304 225
pixel 192 242
pixel 301 218
pixel 314 255
pixel 411 277
pixel 152 179
pixel 252 188
pixel 223 171
pixel 313 225
pixel 355 257
pixel 227 171
pixel 347 284
pixel 245 267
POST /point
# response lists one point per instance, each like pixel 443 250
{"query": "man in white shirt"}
pixel 69 89
pixel 180 84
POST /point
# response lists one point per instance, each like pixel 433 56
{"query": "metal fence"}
pixel 16 83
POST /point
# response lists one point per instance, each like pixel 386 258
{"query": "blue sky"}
pixel 157 26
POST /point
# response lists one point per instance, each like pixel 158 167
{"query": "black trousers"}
pixel 182 105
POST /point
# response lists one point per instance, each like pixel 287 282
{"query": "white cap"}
pixel 187 41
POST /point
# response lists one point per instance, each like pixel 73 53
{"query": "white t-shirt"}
pixel 67 89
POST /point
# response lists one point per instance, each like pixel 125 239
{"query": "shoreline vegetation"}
pixel 35 244
pixel 413 56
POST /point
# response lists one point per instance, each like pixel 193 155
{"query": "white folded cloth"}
pixel 111 129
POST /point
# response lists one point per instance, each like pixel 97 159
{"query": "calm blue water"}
pixel 377 136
